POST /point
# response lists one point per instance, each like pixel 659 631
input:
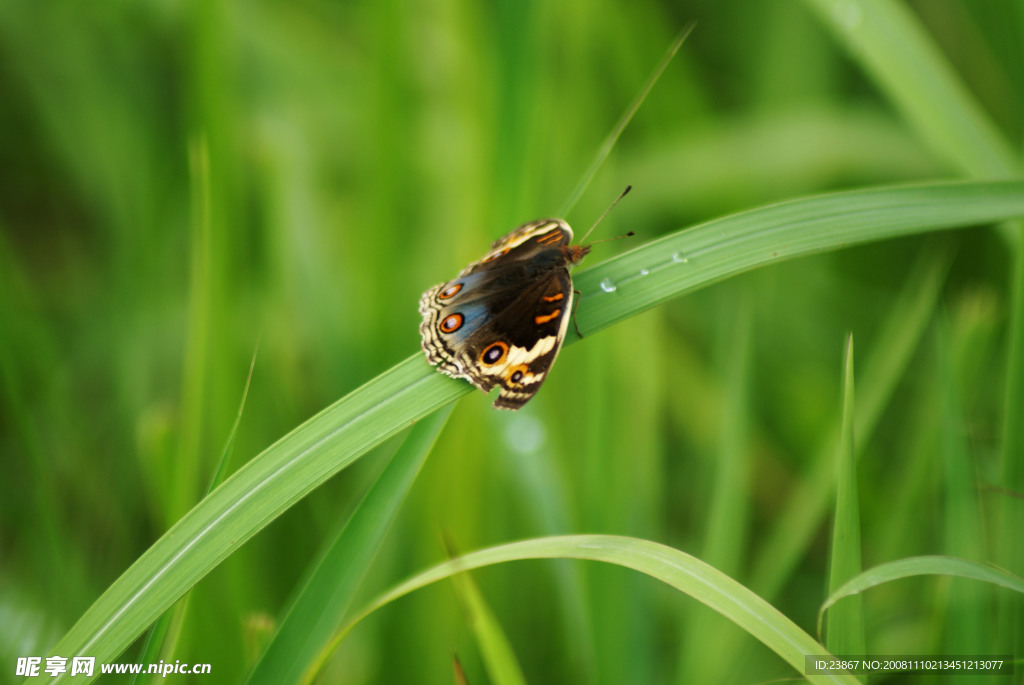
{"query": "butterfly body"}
pixel 502 320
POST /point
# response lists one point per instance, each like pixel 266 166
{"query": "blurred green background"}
pixel 183 180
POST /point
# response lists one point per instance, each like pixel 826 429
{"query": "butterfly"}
pixel 502 320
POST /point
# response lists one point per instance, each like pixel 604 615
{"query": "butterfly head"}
pixel 574 254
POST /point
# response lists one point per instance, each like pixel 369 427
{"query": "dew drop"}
pixel 644 272
pixel 608 285
pixel 679 258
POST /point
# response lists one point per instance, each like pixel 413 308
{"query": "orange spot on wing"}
pixel 492 257
pixel 553 298
pixel 544 319
pixel 552 238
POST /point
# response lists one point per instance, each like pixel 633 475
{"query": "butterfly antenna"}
pixel 601 218
pixel 609 142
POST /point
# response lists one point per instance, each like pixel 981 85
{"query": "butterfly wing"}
pixel 502 321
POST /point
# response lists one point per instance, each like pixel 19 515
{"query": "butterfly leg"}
pixel 576 303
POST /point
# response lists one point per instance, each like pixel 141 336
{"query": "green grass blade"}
pixel 620 126
pixel 316 612
pixel 686 260
pixel 673 567
pixel 922 566
pixel 183 479
pixel 1011 551
pixel 795 529
pixel 165 632
pixel 498 656
pixel 727 530
pixel 229 445
pixel 845 628
pixel 726 525
pixel 905 326
pixel 967 604
pixel 633 282
pixel 534 475
pixel 892 47
pixel 251 498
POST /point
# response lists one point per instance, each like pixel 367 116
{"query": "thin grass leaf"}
pixel 620 126
pixel 532 472
pixel 229 445
pixel 608 599
pixel 673 567
pixel 496 649
pixel 1011 519
pixel 314 615
pixel 845 633
pixel 921 566
pixel 967 610
pixel 726 535
pixel 683 261
pixel 805 509
pixel 248 500
pixel 617 289
pixel 195 391
pixel 165 632
pixel 886 39
pixel 725 538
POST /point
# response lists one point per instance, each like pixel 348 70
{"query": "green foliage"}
pixel 185 181
pixel 845 630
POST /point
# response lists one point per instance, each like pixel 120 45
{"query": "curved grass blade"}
pixel 633 282
pixel 495 648
pixel 921 566
pixel 229 446
pixel 794 529
pixel 671 566
pixel 686 260
pixel 250 499
pixel 326 593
